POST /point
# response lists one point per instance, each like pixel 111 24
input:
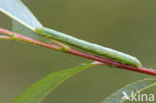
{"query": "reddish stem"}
pixel 27 39
pixel 113 63
pixel 101 61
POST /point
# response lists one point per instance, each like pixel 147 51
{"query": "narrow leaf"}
pixel 19 28
pixel 20 13
pixel 126 92
pixel 24 22
pixel 40 89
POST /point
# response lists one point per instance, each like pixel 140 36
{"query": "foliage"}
pixel 25 23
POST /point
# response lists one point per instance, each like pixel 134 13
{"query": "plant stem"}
pixel 104 61
pixel 131 68
pixel 5 37
pixel 15 36
pixel 101 61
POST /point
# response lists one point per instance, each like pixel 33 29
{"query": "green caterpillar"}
pixel 90 47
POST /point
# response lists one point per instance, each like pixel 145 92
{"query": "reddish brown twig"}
pixel 101 61
pixel 104 61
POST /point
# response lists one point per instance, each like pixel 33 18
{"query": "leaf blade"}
pixel 23 20
pixel 135 87
pixel 40 89
pixel 19 12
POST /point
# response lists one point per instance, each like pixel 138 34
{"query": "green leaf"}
pixel 40 89
pixel 20 13
pixel 19 28
pixel 24 22
pixel 136 87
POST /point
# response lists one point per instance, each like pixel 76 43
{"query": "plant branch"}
pixel 104 61
pixel 101 61
pixel 15 36
pixel 131 68
pixel 5 37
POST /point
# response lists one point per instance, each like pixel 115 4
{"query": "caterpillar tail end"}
pixel 136 63
pixel 139 65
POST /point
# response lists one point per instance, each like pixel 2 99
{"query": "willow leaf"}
pixel 125 93
pixel 39 90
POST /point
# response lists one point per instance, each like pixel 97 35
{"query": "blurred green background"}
pixel 124 25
